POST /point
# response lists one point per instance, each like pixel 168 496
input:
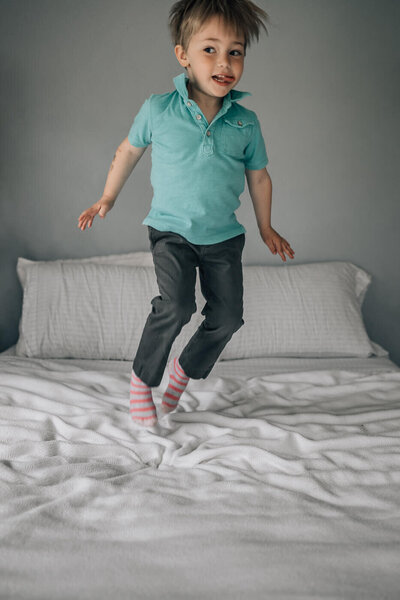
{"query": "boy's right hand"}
pixel 101 208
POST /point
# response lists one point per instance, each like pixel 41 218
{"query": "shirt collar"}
pixel 232 96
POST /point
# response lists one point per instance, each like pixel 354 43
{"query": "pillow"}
pixel 309 310
pixel 23 264
pixel 144 259
pixel 90 310
pixel 86 309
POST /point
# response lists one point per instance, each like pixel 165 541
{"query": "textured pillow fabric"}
pixel 90 310
pixel 142 259
pixel 303 310
pixel 93 310
pixel 24 264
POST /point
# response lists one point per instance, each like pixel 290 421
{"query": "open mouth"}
pixel 223 79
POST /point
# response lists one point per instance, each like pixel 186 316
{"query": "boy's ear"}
pixel 181 56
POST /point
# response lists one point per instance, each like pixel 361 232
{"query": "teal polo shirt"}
pixel 198 168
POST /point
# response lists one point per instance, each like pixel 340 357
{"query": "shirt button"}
pixel 240 123
pixel 208 133
pixel 198 117
pixel 189 104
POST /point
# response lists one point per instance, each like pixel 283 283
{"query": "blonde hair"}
pixel 187 17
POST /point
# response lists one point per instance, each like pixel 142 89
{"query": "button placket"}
pixel 207 144
pixel 208 138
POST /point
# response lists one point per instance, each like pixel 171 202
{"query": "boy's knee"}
pixel 230 321
pixel 180 311
pixel 183 311
pixel 234 323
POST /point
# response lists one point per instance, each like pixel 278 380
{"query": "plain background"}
pixel 325 87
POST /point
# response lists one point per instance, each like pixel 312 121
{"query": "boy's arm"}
pixel 260 188
pixel 125 159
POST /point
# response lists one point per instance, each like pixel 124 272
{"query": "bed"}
pixel 277 477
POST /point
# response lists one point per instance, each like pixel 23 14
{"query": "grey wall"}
pixel 325 87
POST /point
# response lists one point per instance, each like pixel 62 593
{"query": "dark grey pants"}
pixel 221 281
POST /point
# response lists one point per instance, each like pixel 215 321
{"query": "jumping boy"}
pixel 204 143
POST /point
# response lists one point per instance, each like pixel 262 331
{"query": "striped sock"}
pixel 176 386
pixel 142 408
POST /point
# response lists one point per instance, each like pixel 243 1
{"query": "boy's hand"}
pixel 101 208
pixel 276 243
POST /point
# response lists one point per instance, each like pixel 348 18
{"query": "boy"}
pixel 203 144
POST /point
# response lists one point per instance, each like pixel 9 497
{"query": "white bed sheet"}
pixel 249 367
pixel 274 485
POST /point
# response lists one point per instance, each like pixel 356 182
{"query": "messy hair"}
pixel 187 17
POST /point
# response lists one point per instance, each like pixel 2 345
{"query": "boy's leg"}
pixel 175 264
pixel 221 279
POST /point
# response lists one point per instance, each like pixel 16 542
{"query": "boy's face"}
pixel 205 58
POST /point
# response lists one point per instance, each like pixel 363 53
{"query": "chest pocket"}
pixel 236 134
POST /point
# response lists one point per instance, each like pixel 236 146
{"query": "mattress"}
pixel 275 478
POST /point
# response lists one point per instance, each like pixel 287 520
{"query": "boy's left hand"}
pixel 277 243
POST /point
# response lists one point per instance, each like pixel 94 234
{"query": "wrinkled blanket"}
pixel 281 486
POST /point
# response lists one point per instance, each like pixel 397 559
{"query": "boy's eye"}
pixel 210 48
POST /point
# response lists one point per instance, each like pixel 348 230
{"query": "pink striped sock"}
pixel 142 408
pixel 176 386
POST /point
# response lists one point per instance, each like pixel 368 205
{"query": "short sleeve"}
pixel 140 133
pixel 255 154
